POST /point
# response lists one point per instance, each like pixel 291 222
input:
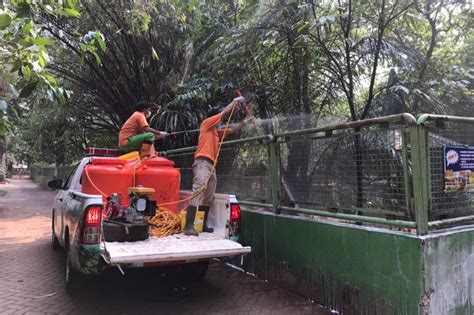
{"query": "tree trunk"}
pixel 429 53
pixel 3 167
pixel 359 170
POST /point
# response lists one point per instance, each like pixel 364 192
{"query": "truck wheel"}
pixel 196 271
pixel 73 279
pixel 54 240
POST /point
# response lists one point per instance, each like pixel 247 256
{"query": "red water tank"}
pixel 109 175
pixel 159 173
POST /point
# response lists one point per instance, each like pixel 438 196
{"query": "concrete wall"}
pixel 360 270
pixel 449 268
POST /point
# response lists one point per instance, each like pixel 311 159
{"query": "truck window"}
pixel 69 178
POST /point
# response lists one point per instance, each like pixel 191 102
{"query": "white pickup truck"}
pixel 77 227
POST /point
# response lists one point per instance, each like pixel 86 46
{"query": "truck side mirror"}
pixel 55 184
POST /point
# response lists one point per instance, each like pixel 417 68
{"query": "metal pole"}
pixel 275 178
pixel 255 204
pixel 405 118
pixel 321 213
pixel 421 184
pixel 352 217
pixel 408 183
pixel 424 118
pixel 441 223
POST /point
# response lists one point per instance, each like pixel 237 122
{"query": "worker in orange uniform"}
pixel 203 166
pixel 137 135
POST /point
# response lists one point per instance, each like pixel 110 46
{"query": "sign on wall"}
pixel 458 168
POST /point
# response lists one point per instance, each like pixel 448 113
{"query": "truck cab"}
pixel 77 227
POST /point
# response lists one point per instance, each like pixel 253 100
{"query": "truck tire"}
pixel 196 271
pixel 54 240
pixel 73 279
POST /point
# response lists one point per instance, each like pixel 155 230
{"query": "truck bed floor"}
pixel 172 248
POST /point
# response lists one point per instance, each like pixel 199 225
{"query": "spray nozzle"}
pixel 248 110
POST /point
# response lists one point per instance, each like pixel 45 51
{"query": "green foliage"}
pixel 299 56
pixel 347 59
pixel 5 20
pixel 139 21
pixel 25 42
pixel 64 141
pixel 28 89
pixel 25 45
pixel 92 44
pixel 134 52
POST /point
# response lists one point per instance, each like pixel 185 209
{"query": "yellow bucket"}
pixel 198 221
pixel 132 158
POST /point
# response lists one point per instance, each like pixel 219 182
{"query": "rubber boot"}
pixel 189 226
pixel 205 227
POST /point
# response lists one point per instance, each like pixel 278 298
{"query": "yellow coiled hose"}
pixel 164 223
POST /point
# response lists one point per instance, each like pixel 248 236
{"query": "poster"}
pixel 458 168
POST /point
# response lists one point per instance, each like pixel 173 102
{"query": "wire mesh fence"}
pixel 241 170
pixel 448 204
pixel 359 172
pixel 184 161
pixel 364 169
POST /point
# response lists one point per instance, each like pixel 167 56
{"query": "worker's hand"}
pixel 164 134
pixel 239 99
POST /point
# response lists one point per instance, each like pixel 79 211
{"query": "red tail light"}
pixel 93 216
pixel 234 212
pixel 91 227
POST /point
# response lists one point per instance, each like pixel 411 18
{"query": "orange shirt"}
pixel 209 137
pixel 135 125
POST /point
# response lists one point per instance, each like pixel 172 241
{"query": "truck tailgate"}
pixel 173 248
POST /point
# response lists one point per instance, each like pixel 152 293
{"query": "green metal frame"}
pixel 275 179
pixel 405 118
pixel 406 173
pixel 333 209
pixel 426 118
pixel 343 216
pixel 418 138
pixel 448 222
pixel 423 122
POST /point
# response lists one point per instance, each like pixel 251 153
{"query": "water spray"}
pixel 248 110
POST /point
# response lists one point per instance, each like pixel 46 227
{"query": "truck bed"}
pixel 176 247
